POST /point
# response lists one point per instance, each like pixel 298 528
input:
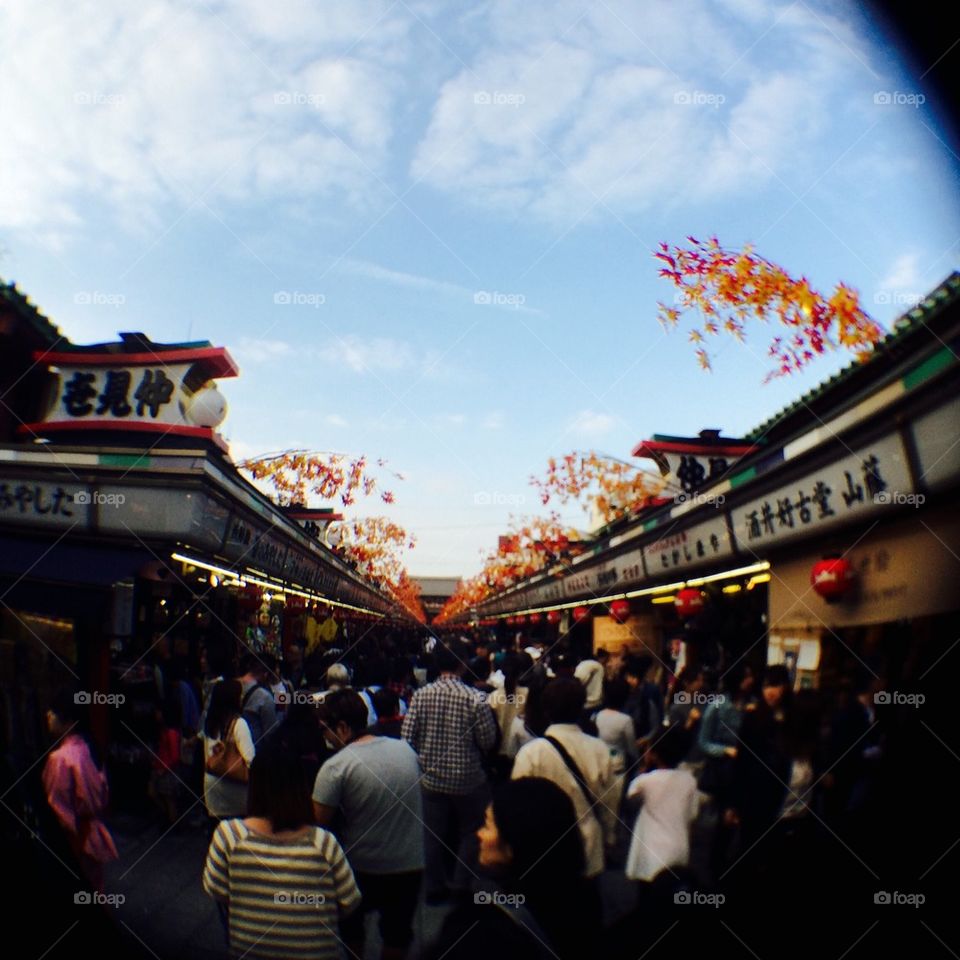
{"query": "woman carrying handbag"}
pixel 228 751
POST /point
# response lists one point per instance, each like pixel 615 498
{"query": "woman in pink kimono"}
pixel 76 791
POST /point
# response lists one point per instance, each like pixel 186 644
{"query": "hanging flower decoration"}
pixel 611 487
pixel 531 545
pixel 730 288
pixel 295 476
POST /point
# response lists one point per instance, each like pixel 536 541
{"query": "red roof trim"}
pixel 64 426
pixel 219 361
pixel 648 447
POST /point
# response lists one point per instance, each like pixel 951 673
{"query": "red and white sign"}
pixel 167 391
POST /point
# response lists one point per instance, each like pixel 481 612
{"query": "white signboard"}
pixel 869 480
pixel 701 544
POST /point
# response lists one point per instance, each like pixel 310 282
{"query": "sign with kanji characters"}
pixel 166 391
pixel 42 503
pixel 690 463
pixel 630 567
pixel 871 479
pixel 695 546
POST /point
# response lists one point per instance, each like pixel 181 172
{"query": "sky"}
pixel 425 230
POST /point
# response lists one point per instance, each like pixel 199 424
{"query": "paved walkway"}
pixel 165 913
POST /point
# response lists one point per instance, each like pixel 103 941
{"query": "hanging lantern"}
pixel 580 613
pixel 535 617
pixel 553 616
pixel 519 619
pixel 688 602
pixel 832 578
pixel 620 610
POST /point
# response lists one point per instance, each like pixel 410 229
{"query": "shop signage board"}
pixel 630 570
pixel 937 440
pixel 867 481
pixel 47 503
pixel 167 391
pixel 696 546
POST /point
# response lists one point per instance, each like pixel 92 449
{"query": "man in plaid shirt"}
pixel 451 727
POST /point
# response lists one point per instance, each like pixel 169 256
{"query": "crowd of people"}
pixel 501 780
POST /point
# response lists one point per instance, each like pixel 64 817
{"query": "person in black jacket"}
pixel 530 846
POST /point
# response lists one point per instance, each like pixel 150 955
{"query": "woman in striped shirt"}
pixel 284 882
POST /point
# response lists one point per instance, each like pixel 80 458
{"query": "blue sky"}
pixel 333 191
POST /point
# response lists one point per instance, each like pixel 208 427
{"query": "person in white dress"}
pixel 670 801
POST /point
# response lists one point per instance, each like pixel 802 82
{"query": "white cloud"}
pixel 374 271
pixel 377 355
pixel 334 420
pixel 615 106
pixel 135 105
pixel 493 420
pixel 904 274
pixel 251 350
pixel 589 423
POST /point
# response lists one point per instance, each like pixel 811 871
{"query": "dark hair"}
pixel 386 703
pixel 563 700
pixel 65 706
pixel 447 661
pixel 278 789
pixel 479 669
pixel 671 746
pixel 345 706
pixel 688 675
pixel 226 698
pixel 537 819
pixel 251 663
pixel 638 666
pixel 615 693
pixel 776 676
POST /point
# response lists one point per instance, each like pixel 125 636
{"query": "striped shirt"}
pixel 451 727
pixel 285 897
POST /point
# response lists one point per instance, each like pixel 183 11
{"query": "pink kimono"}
pixel 77 793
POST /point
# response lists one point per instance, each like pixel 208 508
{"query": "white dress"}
pixel 661 835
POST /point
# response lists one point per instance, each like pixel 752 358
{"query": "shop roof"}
pixel 881 363
pixel 18 304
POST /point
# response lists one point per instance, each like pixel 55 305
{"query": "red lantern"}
pixel 688 602
pixel 580 613
pixel 534 618
pixel 519 618
pixel 620 610
pixel 553 616
pixel 832 578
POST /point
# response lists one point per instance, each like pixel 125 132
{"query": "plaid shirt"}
pixel 450 726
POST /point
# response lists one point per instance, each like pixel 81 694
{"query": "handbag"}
pixel 225 761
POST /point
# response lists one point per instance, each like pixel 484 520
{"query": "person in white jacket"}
pixel 670 802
